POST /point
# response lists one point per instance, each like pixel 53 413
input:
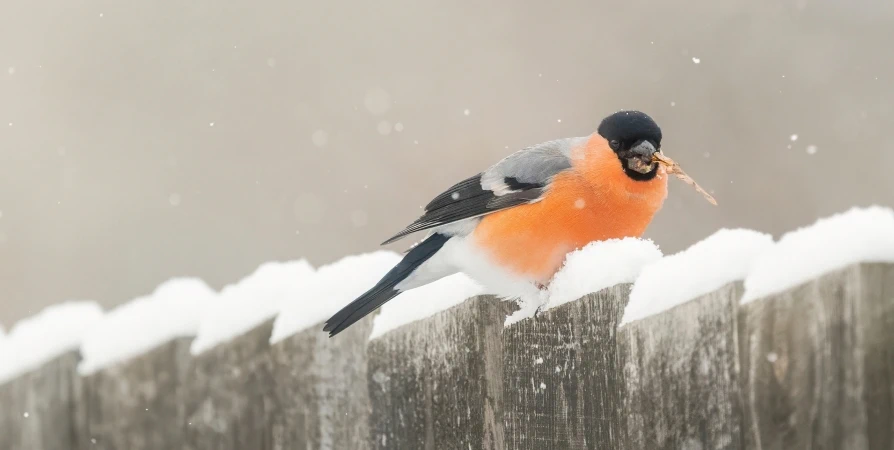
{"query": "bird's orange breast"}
pixel 593 201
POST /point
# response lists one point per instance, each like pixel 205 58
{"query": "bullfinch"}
pixel 511 226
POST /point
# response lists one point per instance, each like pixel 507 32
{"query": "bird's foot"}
pixel 543 296
pixel 538 311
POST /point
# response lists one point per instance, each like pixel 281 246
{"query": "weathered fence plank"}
pixel 137 404
pixel 818 363
pixel 436 383
pixel 812 367
pixel 230 401
pixel 321 386
pixel 681 375
pixel 37 408
pixel 562 376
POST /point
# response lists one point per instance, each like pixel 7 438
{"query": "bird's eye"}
pixel 614 144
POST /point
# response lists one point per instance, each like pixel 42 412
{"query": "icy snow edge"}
pixel 38 339
pixel 250 302
pixel 832 243
pixel 424 301
pixel 171 311
pixel 598 265
pixel 330 289
pixel 719 259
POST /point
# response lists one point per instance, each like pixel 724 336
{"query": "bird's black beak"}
pixel 639 157
pixel 644 149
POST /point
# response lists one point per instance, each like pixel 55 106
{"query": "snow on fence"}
pixel 737 342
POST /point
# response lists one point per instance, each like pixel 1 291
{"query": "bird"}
pixel 510 227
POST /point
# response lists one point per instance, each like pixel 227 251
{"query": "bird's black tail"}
pixel 386 288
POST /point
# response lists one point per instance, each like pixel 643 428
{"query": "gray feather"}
pixel 533 165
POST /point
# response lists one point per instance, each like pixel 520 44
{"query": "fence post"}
pixel 437 382
pixel 818 363
pixel 39 409
pixel 563 382
pixel 230 402
pixel 681 375
pixel 137 404
pixel 321 388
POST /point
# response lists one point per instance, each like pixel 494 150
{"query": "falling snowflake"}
pixel 812 149
pixel 696 60
pixel 466 112
pixel 793 137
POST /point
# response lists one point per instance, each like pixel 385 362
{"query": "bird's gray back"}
pixel 535 165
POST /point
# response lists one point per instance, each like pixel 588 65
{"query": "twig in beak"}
pixel 673 168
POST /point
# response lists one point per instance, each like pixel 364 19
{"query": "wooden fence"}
pixel 812 367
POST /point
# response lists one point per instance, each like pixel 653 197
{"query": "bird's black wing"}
pixel 466 200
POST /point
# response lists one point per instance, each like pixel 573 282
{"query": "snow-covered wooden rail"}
pixel 737 342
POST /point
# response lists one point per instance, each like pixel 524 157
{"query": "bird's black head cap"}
pixel 633 136
pixel 630 127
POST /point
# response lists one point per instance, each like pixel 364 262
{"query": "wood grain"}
pixel 681 375
pixel 818 365
pixel 38 409
pixel 436 383
pixel 321 389
pixel 137 404
pixel 563 378
pixel 230 401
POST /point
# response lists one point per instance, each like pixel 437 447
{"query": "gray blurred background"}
pixel 144 140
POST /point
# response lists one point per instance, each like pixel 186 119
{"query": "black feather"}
pixel 515 185
pixel 465 200
pixel 385 289
pixel 470 187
